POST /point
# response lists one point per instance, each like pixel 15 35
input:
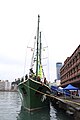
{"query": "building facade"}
pixel 5 85
pixel 58 67
pixel 70 71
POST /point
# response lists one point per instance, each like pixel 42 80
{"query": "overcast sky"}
pixel 60 22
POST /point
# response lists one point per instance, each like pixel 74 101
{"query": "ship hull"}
pixel 34 95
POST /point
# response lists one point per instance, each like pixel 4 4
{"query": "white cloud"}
pixel 60 22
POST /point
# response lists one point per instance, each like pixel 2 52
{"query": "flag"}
pixel 40 73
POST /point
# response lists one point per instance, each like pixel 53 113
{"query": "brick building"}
pixel 70 71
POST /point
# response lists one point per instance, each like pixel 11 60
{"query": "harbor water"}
pixel 10 109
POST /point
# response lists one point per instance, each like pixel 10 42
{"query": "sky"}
pixel 59 21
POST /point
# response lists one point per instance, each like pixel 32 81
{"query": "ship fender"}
pixel 43 97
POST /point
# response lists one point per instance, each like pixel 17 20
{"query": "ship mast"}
pixel 37 47
pixel 40 49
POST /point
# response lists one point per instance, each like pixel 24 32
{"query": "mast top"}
pixel 38 17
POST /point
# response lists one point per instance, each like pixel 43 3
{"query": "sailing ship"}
pixel 34 92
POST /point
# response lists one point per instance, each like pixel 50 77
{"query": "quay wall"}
pixel 69 106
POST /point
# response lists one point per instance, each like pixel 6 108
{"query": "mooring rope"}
pixel 52 96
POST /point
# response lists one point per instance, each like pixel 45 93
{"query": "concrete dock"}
pixel 70 105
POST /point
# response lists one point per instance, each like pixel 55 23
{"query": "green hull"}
pixel 33 94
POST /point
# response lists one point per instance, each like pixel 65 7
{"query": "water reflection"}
pixel 44 114
pixel 35 115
